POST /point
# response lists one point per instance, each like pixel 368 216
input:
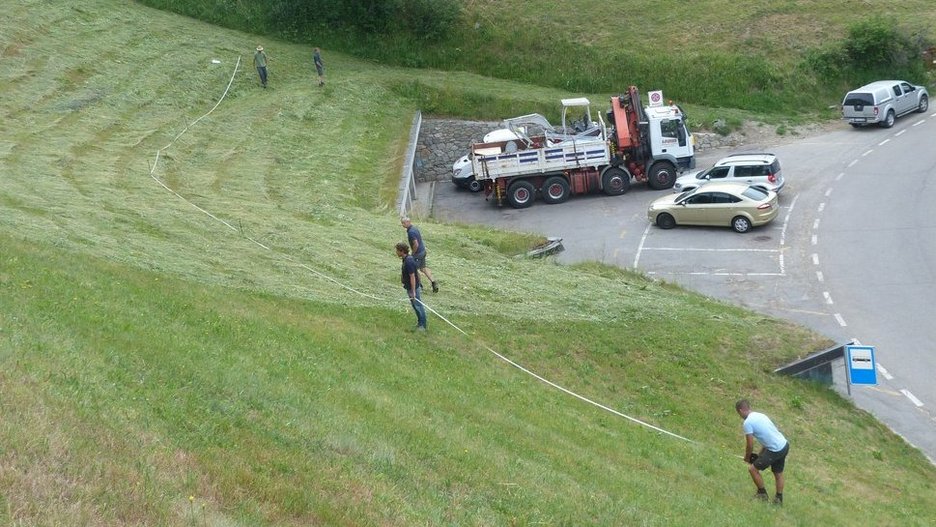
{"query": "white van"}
pixel 882 102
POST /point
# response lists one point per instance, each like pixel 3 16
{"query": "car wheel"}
pixel 662 175
pixel 924 104
pixel 888 120
pixel 520 195
pixel 665 221
pixel 474 185
pixel 615 181
pixel 741 224
pixel 555 190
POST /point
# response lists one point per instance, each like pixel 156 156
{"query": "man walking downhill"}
pixel 260 61
pixel 773 452
pixel 419 250
pixel 409 275
pixel 319 65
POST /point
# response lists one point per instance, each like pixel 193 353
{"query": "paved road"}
pixel 852 254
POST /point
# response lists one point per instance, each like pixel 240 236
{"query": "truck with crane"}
pixel 644 144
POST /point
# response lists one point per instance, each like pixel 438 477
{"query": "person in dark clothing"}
pixel 409 275
pixel 419 250
pixel 319 65
pixel 260 61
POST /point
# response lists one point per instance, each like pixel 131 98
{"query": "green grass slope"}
pixel 234 352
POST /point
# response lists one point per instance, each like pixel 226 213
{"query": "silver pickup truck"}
pixel 882 102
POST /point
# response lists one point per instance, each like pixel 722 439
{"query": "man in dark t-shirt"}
pixel 419 250
pixel 409 276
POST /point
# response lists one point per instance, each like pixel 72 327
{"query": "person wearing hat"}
pixel 260 61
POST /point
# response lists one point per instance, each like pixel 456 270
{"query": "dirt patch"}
pixel 755 134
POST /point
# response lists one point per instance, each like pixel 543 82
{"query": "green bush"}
pixel 872 49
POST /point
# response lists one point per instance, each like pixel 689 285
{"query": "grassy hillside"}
pixel 163 366
pixel 775 58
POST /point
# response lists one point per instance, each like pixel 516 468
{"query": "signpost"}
pixel 860 366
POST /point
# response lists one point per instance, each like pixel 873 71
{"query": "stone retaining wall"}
pixel 442 141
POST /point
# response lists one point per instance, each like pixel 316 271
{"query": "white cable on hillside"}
pixel 366 295
pixel 152 174
pixel 554 385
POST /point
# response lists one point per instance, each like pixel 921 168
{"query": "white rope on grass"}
pixel 554 385
pixel 366 295
pixel 152 174
pixel 159 152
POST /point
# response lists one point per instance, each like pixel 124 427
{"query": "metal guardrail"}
pixel 407 191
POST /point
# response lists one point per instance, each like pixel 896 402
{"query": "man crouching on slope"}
pixel 773 453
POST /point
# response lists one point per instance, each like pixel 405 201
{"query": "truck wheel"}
pixel 662 175
pixel 555 190
pixel 741 224
pixel 924 104
pixel 474 185
pixel 665 221
pixel 888 120
pixel 615 181
pixel 520 194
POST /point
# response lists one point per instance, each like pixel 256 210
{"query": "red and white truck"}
pixel 651 144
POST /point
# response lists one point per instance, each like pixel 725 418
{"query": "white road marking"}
pixel 900 133
pixel 867 152
pixel 815 239
pixel 714 273
pixel 815 224
pixel 852 163
pixel 884 372
pixel 819 276
pixel 821 206
pixel 828 192
pixel 815 259
pixel 704 249
pixel 643 239
pixel 918 123
pixel 884 142
pixel 910 396
pixel 840 320
pixel 842 174
pixel 828 297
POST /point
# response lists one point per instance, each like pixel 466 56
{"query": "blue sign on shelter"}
pixel 861 364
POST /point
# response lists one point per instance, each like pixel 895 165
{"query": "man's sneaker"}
pixel 420 328
pixel 435 287
pixel 778 499
pixel 762 496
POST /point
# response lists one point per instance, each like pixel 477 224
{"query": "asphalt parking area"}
pixel 710 251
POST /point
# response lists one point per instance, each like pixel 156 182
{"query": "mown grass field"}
pixel 163 366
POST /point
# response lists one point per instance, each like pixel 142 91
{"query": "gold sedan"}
pixel 738 205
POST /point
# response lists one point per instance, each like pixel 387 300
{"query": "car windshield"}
pixel 858 99
pixel 755 194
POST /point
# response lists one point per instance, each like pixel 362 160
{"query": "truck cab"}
pixel 670 137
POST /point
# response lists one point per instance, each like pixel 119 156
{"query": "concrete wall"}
pixel 442 141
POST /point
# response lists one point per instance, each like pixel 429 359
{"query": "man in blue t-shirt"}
pixel 419 250
pixel 409 275
pixel 773 452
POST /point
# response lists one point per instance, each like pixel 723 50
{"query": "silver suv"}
pixel 758 169
pixel 882 102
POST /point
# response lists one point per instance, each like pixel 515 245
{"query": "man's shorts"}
pixel 774 460
pixel 420 261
